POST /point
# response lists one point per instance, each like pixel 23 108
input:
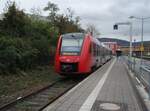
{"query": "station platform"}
pixel 107 89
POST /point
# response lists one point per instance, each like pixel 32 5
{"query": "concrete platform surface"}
pixel 107 89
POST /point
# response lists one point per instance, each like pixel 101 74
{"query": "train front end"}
pixel 68 59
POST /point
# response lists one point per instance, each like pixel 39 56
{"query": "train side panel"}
pixel 57 56
pixel 85 57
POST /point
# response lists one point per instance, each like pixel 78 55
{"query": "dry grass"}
pixel 15 85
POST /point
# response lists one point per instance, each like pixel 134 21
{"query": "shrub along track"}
pixel 41 98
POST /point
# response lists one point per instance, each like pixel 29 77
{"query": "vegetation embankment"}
pixel 27 42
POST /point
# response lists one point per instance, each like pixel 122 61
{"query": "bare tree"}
pixel 70 14
pixel 77 20
pixel 7 4
pixel 93 30
pixel 52 9
pixel 36 13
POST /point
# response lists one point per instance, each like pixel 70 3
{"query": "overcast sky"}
pixel 102 13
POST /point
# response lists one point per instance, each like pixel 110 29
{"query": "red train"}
pixel 79 53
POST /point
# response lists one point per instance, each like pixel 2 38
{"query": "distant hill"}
pixel 123 42
pixel 119 42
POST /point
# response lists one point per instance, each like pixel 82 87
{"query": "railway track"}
pixel 41 98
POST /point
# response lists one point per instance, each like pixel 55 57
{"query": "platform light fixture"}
pixel 130 33
pixel 115 27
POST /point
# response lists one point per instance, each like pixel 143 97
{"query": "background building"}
pixel 112 45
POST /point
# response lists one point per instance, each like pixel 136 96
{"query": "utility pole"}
pixel 142 44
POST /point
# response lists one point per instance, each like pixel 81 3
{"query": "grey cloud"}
pixel 103 14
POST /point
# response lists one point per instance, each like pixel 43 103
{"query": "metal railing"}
pixel 145 77
pixel 141 72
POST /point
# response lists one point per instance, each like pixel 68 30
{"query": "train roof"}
pixel 68 35
pixel 97 41
pixel 82 35
pixel 105 46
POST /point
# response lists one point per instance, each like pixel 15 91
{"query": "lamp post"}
pixel 142 47
pixel 130 33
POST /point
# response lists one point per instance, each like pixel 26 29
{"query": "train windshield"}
pixel 71 46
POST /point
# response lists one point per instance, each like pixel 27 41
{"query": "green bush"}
pixel 26 42
pixel 16 53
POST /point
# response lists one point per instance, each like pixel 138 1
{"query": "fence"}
pixel 141 71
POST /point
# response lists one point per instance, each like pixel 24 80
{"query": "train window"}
pixel 94 49
pixel 103 51
pixel 71 46
pixel 97 50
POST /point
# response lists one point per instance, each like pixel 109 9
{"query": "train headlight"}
pixel 68 60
